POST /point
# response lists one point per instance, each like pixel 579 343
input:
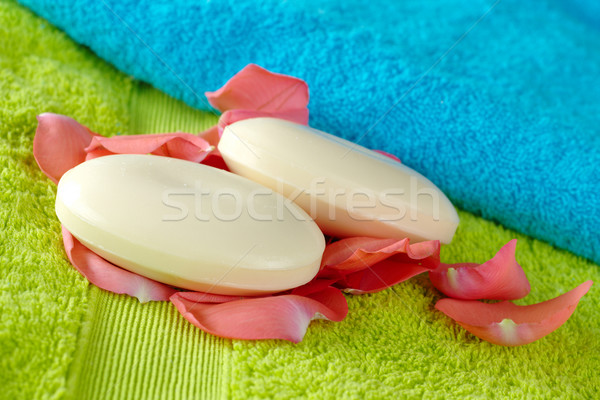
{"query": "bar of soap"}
pixel 189 225
pixel 348 189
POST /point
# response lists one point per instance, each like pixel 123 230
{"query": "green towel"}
pixel 62 338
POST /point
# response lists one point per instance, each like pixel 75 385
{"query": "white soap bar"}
pixel 189 225
pixel 348 189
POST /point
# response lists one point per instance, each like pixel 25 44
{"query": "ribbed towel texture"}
pixel 60 338
pixel 493 101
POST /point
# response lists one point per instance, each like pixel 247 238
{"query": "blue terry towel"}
pixel 497 102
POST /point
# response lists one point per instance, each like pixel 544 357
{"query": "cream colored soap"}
pixel 189 225
pixel 348 189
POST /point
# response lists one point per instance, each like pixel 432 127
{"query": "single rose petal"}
pixel 59 144
pixel 500 278
pixel 316 285
pixel 177 145
pixel 273 317
pixel 393 157
pixel 109 277
pixel 203 297
pixel 298 115
pixel 380 276
pixel 358 253
pixel 255 88
pixel 211 135
pixel 508 324
pixel 215 160
pixel 366 265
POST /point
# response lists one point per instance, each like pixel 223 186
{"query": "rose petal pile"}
pixel 352 265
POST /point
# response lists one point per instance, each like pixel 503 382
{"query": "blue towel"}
pixel 498 103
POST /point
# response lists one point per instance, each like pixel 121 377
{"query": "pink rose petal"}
pixel 500 278
pixel 214 158
pixel 216 161
pixel 211 135
pixel 393 157
pixel 109 277
pixel 298 115
pixel 355 254
pixel 363 264
pixel 508 324
pixel 380 276
pixel 203 297
pixel 59 144
pixel 273 317
pixel 316 285
pixel 177 145
pixel 255 88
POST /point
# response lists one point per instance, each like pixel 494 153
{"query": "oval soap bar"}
pixel 348 189
pixel 189 225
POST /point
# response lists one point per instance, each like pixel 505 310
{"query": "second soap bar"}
pixel 348 189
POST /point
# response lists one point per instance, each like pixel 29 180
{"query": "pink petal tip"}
pixel 385 153
pixel 255 88
pixel 59 144
pixel 366 265
pixel 500 278
pixel 508 324
pixel 109 277
pixel 273 317
pixel 298 115
pixel 184 146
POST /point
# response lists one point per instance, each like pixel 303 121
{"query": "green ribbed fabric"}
pixel 152 111
pixel 62 338
pixel 129 350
